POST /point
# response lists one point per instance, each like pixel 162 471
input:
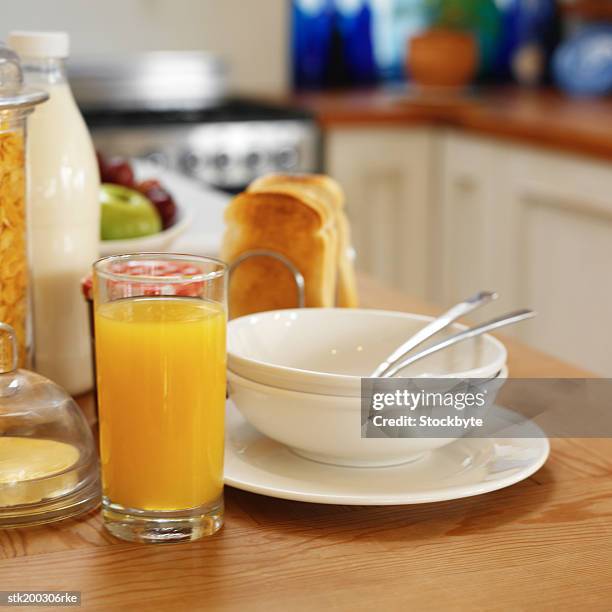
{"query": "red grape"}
pixel 118 171
pixel 161 199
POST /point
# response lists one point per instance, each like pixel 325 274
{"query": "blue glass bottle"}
pixel 312 27
pixel 354 25
pixel 529 33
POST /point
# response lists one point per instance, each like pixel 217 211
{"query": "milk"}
pixel 64 222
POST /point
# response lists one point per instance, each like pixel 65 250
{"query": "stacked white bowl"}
pixel 295 375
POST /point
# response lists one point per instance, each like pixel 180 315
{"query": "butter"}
pixel 32 469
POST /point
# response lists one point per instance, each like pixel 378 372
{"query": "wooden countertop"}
pixel 545 543
pixel 540 117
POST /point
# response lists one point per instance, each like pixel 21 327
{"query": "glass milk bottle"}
pixel 64 213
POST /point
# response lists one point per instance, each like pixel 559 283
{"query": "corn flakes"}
pixel 13 253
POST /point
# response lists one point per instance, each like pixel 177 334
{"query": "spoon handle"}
pixel 438 324
pixel 472 332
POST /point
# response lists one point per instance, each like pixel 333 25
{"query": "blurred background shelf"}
pixel 589 9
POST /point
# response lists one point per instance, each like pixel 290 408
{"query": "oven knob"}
pixel 189 162
pixel 159 158
pixel 253 160
pixel 287 158
pixel 221 161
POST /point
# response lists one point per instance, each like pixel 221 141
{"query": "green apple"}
pixel 126 213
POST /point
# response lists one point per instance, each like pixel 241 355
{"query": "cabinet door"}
pixel 537 227
pixel 466 220
pixel 386 173
pixel 555 231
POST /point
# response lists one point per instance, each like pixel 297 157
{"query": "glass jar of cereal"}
pixel 16 103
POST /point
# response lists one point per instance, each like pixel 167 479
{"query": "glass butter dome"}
pixel 48 460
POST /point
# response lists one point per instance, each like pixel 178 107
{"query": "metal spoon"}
pixel 472 332
pixel 438 324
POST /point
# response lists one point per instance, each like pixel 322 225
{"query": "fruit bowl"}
pixel 162 240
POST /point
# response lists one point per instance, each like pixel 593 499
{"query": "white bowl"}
pixel 155 243
pixel 324 428
pixel 328 350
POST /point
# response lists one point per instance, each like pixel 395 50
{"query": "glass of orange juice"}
pixel 160 323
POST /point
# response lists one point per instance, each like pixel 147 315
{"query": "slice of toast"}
pixel 327 191
pixel 300 228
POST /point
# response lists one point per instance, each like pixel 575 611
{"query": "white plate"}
pixel 468 467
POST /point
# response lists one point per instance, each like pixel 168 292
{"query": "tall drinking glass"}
pixel 160 323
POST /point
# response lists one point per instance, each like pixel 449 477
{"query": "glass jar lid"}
pixel 13 95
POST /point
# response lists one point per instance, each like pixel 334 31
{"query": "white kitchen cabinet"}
pixel 537 226
pixel 387 176
pixel 442 214
pixel 466 222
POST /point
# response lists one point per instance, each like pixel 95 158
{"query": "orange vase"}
pixel 442 58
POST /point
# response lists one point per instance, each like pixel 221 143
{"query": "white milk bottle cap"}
pixel 39 44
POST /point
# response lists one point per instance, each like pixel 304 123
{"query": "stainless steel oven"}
pixel 173 109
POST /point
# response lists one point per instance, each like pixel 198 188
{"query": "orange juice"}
pixel 161 389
